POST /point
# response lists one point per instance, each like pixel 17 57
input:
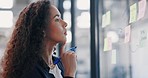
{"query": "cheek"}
pixel 57 36
pixel 56 33
pixel 55 27
pixel 56 30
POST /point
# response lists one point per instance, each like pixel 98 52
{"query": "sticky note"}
pixel 143 38
pixel 103 20
pixel 113 57
pixel 106 19
pixel 107 44
pixel 127 34
pixel 133 13
pixel 141 8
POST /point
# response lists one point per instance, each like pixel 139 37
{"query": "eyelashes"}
pixel 57 20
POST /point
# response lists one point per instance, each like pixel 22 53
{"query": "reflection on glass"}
pixel 6 4
pixel 67 18
pixel 7 19
pixel 113 35
pixel 83 21
pixel 83 4
pixel 67 5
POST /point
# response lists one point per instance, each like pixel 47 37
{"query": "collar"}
pixel 42 63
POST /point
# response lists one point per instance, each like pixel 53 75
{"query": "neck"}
pixel 47 54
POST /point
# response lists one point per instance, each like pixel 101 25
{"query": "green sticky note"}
pixel 106 19
pixel 141 44
pixel 133 13
pixel 107 44
pixel 113 57
pixel 143 38
pixel 103 20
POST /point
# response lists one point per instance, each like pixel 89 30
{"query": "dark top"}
pixel 41 70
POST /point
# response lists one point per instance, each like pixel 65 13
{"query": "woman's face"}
pixel 56 31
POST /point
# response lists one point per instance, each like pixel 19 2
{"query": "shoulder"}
pixel 38 72
pixel 34 73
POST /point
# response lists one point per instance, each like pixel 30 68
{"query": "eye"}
pixel 57 20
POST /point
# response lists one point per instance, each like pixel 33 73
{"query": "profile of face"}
pixel 56 31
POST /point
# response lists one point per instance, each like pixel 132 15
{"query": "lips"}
pixel 65 33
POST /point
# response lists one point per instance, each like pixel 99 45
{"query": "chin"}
pixel 63 41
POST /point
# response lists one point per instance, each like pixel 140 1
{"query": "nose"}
pixel 64 23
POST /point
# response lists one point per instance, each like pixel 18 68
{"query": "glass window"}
pixel 123 38
pixel 67 18
pixel 69 36
pixel 83 38
pixel 83 21
pixel 7 19
pixel 83 4
pixel 6 4
pixel 67 4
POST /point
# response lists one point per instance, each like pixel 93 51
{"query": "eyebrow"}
pixel 56 15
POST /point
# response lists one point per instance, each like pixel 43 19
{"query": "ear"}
pixel 44 34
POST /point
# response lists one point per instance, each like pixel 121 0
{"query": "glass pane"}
pixel 83 38
pixel 83 21
pixel 6 4
pixel 67 4
pixel 67 18
pixel 69 36
pixel 83 4
pixel 6 18
pixel 123 38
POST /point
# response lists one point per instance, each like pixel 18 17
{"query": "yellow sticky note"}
pixel 127 34
pixel 133 13
pixel 113 57
pixel 106 19
pixel 141 8
pixel 107 44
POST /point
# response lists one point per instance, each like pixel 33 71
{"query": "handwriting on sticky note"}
pixel 143 38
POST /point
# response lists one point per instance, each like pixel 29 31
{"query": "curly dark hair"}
pixel 26 43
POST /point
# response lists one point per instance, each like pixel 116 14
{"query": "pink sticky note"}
pixel 142 8
pixel 109 43
pixel 127 34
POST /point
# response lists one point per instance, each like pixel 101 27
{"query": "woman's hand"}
pixel 68 59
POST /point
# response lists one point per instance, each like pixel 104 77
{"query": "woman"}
pixel 29 52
